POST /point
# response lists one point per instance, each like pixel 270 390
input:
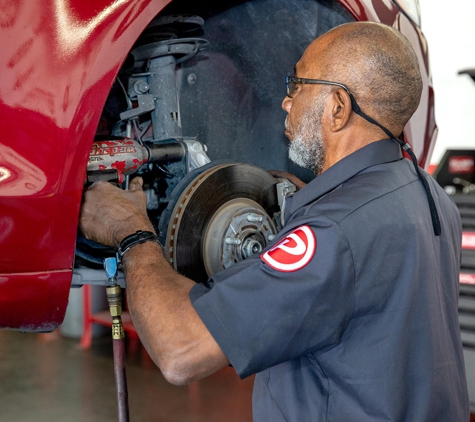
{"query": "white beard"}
pixel 306 148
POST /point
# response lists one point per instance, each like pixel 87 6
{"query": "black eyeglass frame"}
pixel 354 105
pixel 289 80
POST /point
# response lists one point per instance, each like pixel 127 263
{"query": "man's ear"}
pixel 340 109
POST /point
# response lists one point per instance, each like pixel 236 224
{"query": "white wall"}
pixel 449 27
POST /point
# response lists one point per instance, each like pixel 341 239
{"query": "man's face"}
pixel 306 147
pixel 305 111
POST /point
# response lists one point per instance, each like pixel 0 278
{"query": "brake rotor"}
pixel 221 216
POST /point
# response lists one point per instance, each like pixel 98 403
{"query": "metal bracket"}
pixel 196 152
pixel 84 275
pixel 284 188
pixel 146 104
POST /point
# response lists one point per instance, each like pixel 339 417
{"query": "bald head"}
pixel 377 63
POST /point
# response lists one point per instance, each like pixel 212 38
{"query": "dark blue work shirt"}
pixel 353 317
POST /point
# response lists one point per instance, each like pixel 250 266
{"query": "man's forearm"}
pixel 162 313
pixel 158 297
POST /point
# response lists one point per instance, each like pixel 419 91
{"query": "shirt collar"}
pixel 379 152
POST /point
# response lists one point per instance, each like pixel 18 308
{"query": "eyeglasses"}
pixel 292 81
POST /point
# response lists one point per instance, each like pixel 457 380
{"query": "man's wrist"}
pixel 121 232
pixel 135 239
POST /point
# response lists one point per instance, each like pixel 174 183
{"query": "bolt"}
pixel 251 246
pixel 191 78
pixel 232 241
pixel 271 237
pixel 256 248
pixel 254 218
pixel 141 87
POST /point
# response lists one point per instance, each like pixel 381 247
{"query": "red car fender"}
pixel 58 64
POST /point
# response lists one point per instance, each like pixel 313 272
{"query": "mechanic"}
pixel 351 315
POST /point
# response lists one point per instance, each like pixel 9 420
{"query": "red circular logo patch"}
pixel 293 252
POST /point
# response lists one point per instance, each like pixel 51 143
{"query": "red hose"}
pixel 114 297
pixel 121 380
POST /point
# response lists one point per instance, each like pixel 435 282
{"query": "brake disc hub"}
pixel 239 228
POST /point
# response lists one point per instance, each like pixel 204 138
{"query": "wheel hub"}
pixel 239 228
pixel 221 215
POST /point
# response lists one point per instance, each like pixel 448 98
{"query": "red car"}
pixel 181 92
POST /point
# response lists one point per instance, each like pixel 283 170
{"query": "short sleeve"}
pixel 261 315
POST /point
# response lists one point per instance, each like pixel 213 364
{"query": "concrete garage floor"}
pixel 46 378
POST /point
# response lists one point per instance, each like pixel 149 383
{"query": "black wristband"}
pixel 135 239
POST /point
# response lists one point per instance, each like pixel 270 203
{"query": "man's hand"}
pixel 109 214
pixel 299 184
